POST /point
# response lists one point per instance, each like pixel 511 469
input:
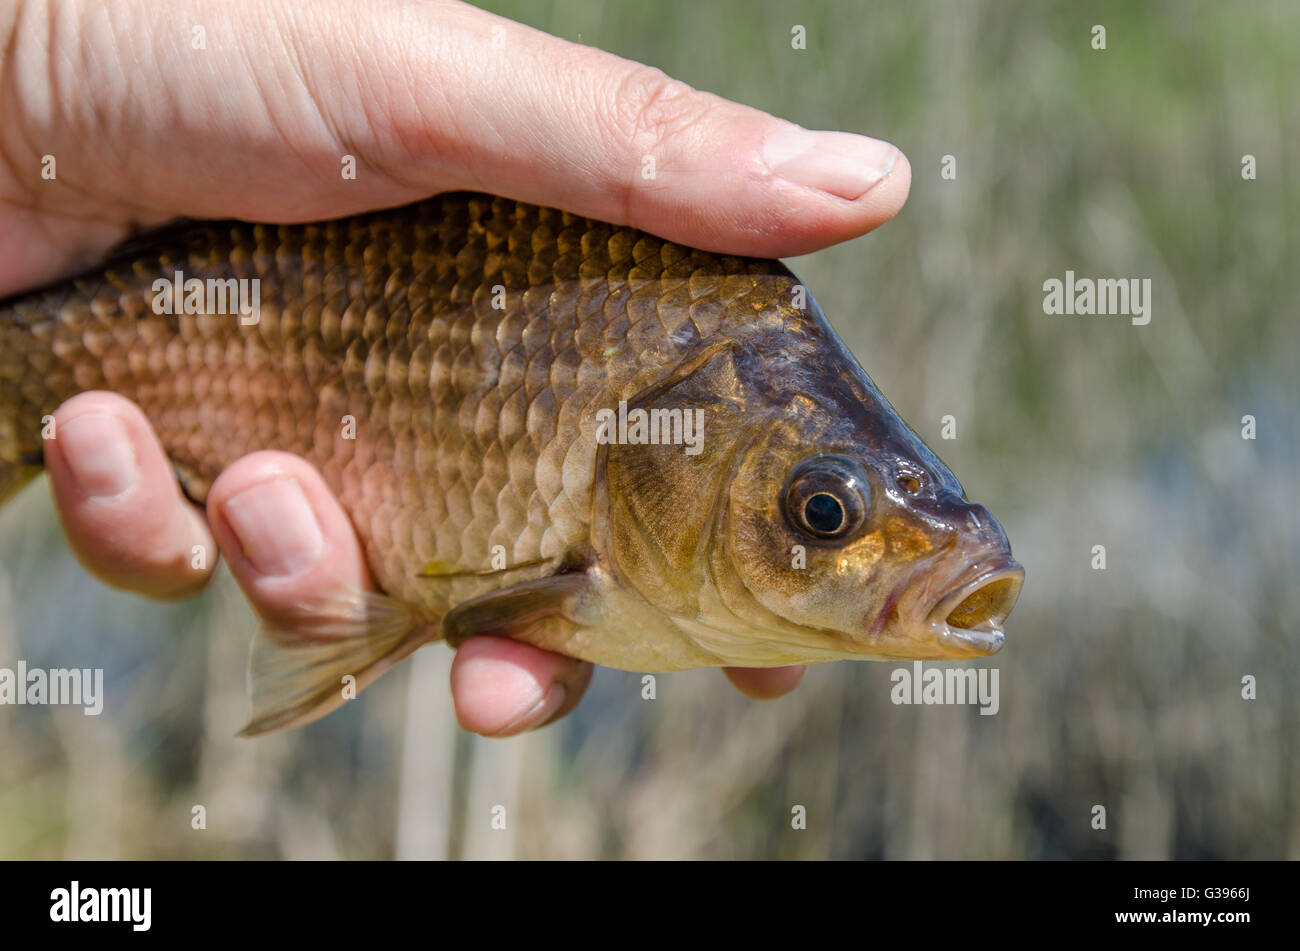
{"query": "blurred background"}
pixel 1119 687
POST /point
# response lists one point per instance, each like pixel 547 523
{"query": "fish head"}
pixel 842 522
pixel 814 526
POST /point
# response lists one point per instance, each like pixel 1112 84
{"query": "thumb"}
pixel 533 117
pixel 264 98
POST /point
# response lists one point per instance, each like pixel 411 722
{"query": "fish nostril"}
pixel 981 523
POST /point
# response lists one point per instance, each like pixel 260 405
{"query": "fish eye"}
pixel 826 497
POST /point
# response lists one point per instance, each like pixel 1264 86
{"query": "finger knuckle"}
pixel 650 108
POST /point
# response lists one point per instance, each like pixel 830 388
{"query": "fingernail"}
pixel 276 527
pixel 537 714
pixel 99 454
pixel 841 163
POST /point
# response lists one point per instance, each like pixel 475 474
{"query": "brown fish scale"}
pixel 474 425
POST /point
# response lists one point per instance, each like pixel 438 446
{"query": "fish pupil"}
pixel 824 513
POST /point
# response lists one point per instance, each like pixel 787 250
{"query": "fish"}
pixel 543 427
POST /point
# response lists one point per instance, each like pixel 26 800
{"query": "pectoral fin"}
pixel 445 571
pixel 297 676
pixel 543 612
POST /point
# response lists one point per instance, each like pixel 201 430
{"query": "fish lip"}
pixel 979 641
pixel 973 642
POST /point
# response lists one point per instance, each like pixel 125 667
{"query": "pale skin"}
pixel 428 97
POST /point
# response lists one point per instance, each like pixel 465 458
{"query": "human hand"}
pixel 427 97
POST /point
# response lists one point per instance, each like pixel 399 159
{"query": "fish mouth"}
pixel 969 617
